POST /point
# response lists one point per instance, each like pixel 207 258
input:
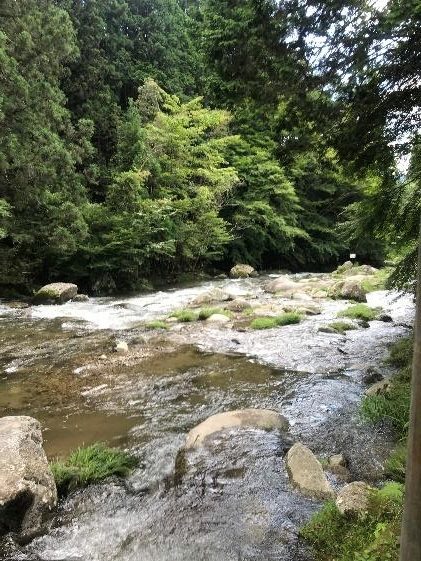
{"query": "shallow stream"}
pixel 230 501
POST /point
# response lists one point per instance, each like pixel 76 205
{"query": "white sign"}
pixel 352 255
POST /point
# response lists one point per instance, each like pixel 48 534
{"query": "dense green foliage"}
pixel 371 536
pixel 90 465
pixel 113 171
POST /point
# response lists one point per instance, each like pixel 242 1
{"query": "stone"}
pixel 211 297
pixel 379 388
pixel 281 285
pixel 345 267
pixel 218 318
pixel 121 347
pixel 103 357
pixel 302 296
pixel 337 460
pixel 241 271
pixel 249 418
pixel 56 293
pixel 372 376
pixel 386 318
pixel 354 498
pixel 27 488
pixel 80 298
pixel 350 288
pixel 238 305
pixel 306 473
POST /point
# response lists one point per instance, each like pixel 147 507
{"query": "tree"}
pixel 40 149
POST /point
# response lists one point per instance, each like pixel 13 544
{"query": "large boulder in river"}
pixel 27 488
pixel 249 418
pixel 306 473
pixel 282 285
pixel 212 297
pixel 242 271
pixel 351 288
pixel 56 293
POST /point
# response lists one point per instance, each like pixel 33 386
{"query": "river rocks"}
pixel 252 418
pixel 338 465
pixel 212 297
pixel 55 293
pixel 379 388
pixel 354 498
pixel 306 473
pixel 238 305
pixel 27 488
pixel 121 347
pixel 372 376
pixel 218 318
pixel 386 318
pixel 242 271
pixel 282 285
pixel 347 266
pixel 350 288
pixel 80 298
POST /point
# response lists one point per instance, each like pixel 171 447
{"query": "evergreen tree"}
pixel 40 189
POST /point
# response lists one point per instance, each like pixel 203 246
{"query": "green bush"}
pixel 359 311
pixel 278 321
pixel 91 464
pixel 370 536
pixel 342 326
pixel 157 324
pixel 206 313
pixel 186 315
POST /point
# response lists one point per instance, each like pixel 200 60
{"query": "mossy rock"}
pixel 55 293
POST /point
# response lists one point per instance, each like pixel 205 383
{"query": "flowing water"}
pixel 228 501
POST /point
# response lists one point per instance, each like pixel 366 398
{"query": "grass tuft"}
pixel 400 353
pixel 186 315
pixel 371 536
pixel 157 324
pixel 206 313
pixel 91 464
pixel 359 311
pixel 342 326
pixel 278 321
pixel 396 464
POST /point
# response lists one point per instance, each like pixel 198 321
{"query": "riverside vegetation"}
pixel 372 535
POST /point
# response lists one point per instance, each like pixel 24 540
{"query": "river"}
pixel 232 500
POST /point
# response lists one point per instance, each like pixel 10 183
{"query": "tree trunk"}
pixel 411 523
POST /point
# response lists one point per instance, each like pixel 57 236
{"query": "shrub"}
pixel 157 324
pixel 342 326
pixel 91 464
pixel 278 321
pixel 185 316
pixel 370 536
pixel 359 311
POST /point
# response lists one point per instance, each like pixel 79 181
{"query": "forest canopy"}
pixel 141 139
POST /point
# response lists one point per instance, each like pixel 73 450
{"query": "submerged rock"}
pixel 241 271
pixel 372 376
pixel 56 293
pixel 27 488
pixel 354 498
pixel 306 473
pixel 265 419
pixel 282 285
pixel 81 298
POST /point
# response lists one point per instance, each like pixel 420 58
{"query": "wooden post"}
pixel 411 523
